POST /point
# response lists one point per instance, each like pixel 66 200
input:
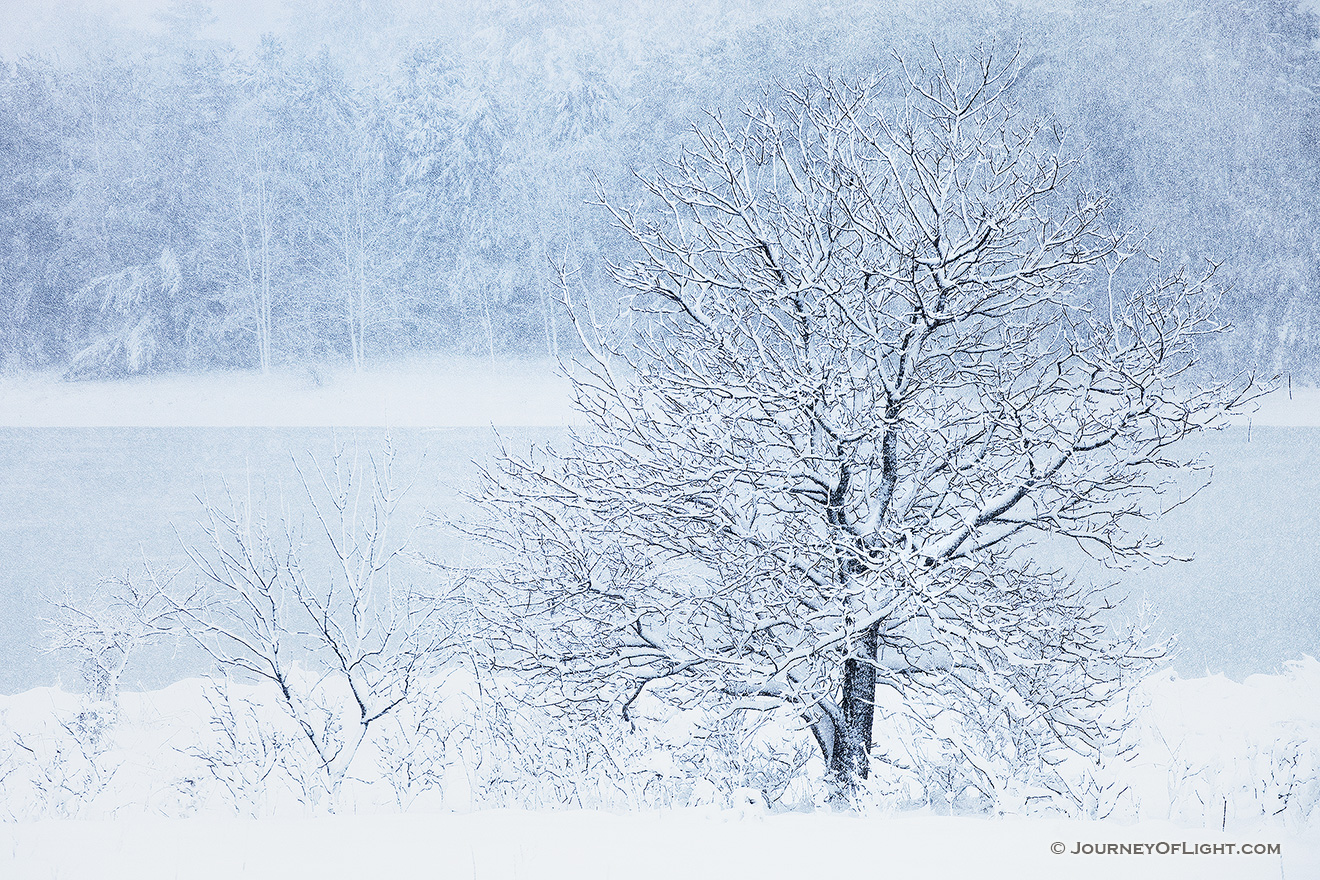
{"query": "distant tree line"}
pixel 387 179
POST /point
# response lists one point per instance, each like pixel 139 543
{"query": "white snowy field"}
pixel 422 392
pixel 1223 785
pixel 591 845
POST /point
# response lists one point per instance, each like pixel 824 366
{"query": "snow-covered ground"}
pixel 424 392
pixel 420 392
pixel 1221 765
pixel 590 845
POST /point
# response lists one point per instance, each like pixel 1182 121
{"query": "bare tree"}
pixel 344 646
pixel 362 250
pixel 876 347
pixel 102 629
pixel 255 219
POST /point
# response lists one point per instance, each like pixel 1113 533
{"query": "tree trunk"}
pixel 850 756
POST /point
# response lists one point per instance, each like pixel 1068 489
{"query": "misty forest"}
pixel 896 339
pixel 385 178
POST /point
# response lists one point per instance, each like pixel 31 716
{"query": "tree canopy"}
pixel 873 349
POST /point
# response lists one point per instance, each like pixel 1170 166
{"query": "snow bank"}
pixel 1214 760
pixel 1215 752
pixel 422 392
pixel 448 392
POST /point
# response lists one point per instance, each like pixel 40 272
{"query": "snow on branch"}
pixel 874 351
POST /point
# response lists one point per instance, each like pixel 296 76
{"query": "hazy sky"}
pixel 37 24
pixel 43 25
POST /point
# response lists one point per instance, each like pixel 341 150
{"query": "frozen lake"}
pixel 84 503
pixel 1249 599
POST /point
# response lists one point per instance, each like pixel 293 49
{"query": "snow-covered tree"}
pixel 134 305
pixel 878 339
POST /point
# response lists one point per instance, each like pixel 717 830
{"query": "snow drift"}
pixel 1216 763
